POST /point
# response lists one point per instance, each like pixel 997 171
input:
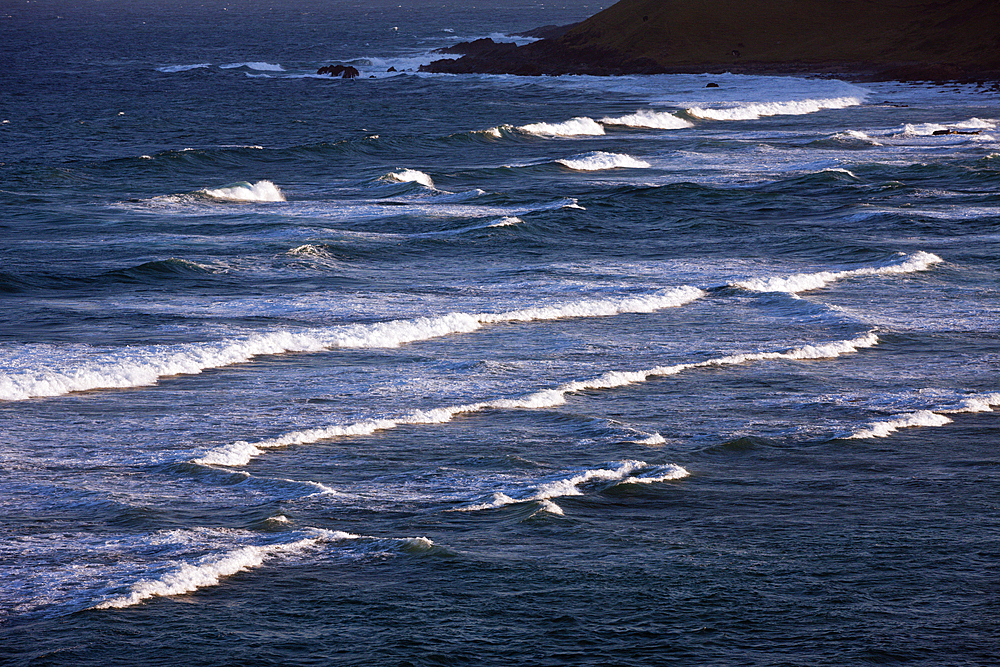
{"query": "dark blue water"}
pixel 436 370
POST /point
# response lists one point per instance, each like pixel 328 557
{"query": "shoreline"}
pixel 911 41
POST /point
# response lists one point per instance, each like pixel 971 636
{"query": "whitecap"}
pixel 646 118
pixel 255 65
pixel 575 127
pixel 133 367
pixel 261 191
pixel 170 69
pixel 241 453
pixel 882 429
pixel 599 160
pixel 410 176
pixel 507 221
pixel 802 282
pixel 756 110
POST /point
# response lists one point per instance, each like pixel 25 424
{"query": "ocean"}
pixel 423 369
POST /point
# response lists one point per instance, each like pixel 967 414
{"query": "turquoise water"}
pixel 421 369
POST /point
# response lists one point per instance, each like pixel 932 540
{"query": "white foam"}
pixel 574 127
pixel 756 110
pixel 652 440
pixel 410 176
pixel 255 65
pixel 932 417
pixel 802 282
pixel 261 191
pixel 882 429
pixel 647 118
pixel 551 508
pixel 170 69
pixel 136 367
pixel 599 160
pixel 207 571
pixel 241 453
pixel 977 403
pixel 544 491
pixel 857 136
pixel 666 473
pixel 187 577
pixel 507 221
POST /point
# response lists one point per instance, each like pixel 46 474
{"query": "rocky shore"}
pixel 910 40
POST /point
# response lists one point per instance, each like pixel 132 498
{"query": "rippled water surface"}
pixel 426 369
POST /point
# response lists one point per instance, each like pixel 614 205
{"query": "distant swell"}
pixel 758 110
pixel 242 452
pixel 131 367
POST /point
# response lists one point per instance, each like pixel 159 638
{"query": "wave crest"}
pixel 758 110
pixel 261 191
pixel 599 160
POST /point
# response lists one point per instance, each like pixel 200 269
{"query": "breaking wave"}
pixel 241 453
pixel 599 160
pixel 802 282
pixel 261 191
pixel 625 472
pixel 132 367
pixel 188 577
pixel 758 110
pixel 410 176
pixel 646 118
pixel 934 417
pixel 574 127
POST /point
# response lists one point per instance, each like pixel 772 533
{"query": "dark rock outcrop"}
pixel 902 39
pixel 342 71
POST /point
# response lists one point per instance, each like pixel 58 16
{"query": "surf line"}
pixel 935 417
pixel 146 367
pixel 240 453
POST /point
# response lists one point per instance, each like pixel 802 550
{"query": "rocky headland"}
pixel 930 40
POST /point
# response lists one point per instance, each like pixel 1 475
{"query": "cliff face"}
pixel 925 38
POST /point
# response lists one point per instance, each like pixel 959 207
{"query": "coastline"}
pixel 912 40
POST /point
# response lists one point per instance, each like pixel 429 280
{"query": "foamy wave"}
pixel 659 120
pixel 883 429
pixel 551 508
pixel 144 367
pixel 210 570
pixel 189 577
pixel 241 453
pixel 574 127
pixel 262 191
pixel 928 129
pixel 170 69
pixel 651 440
pixel 625 472
pixel 255 65
pixel 410 176
pixel 599 160
pixel 802 282
pixel 758 110
pixel 507 221
pixel 935 417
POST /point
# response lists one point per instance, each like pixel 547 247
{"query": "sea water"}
pixel 427 369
